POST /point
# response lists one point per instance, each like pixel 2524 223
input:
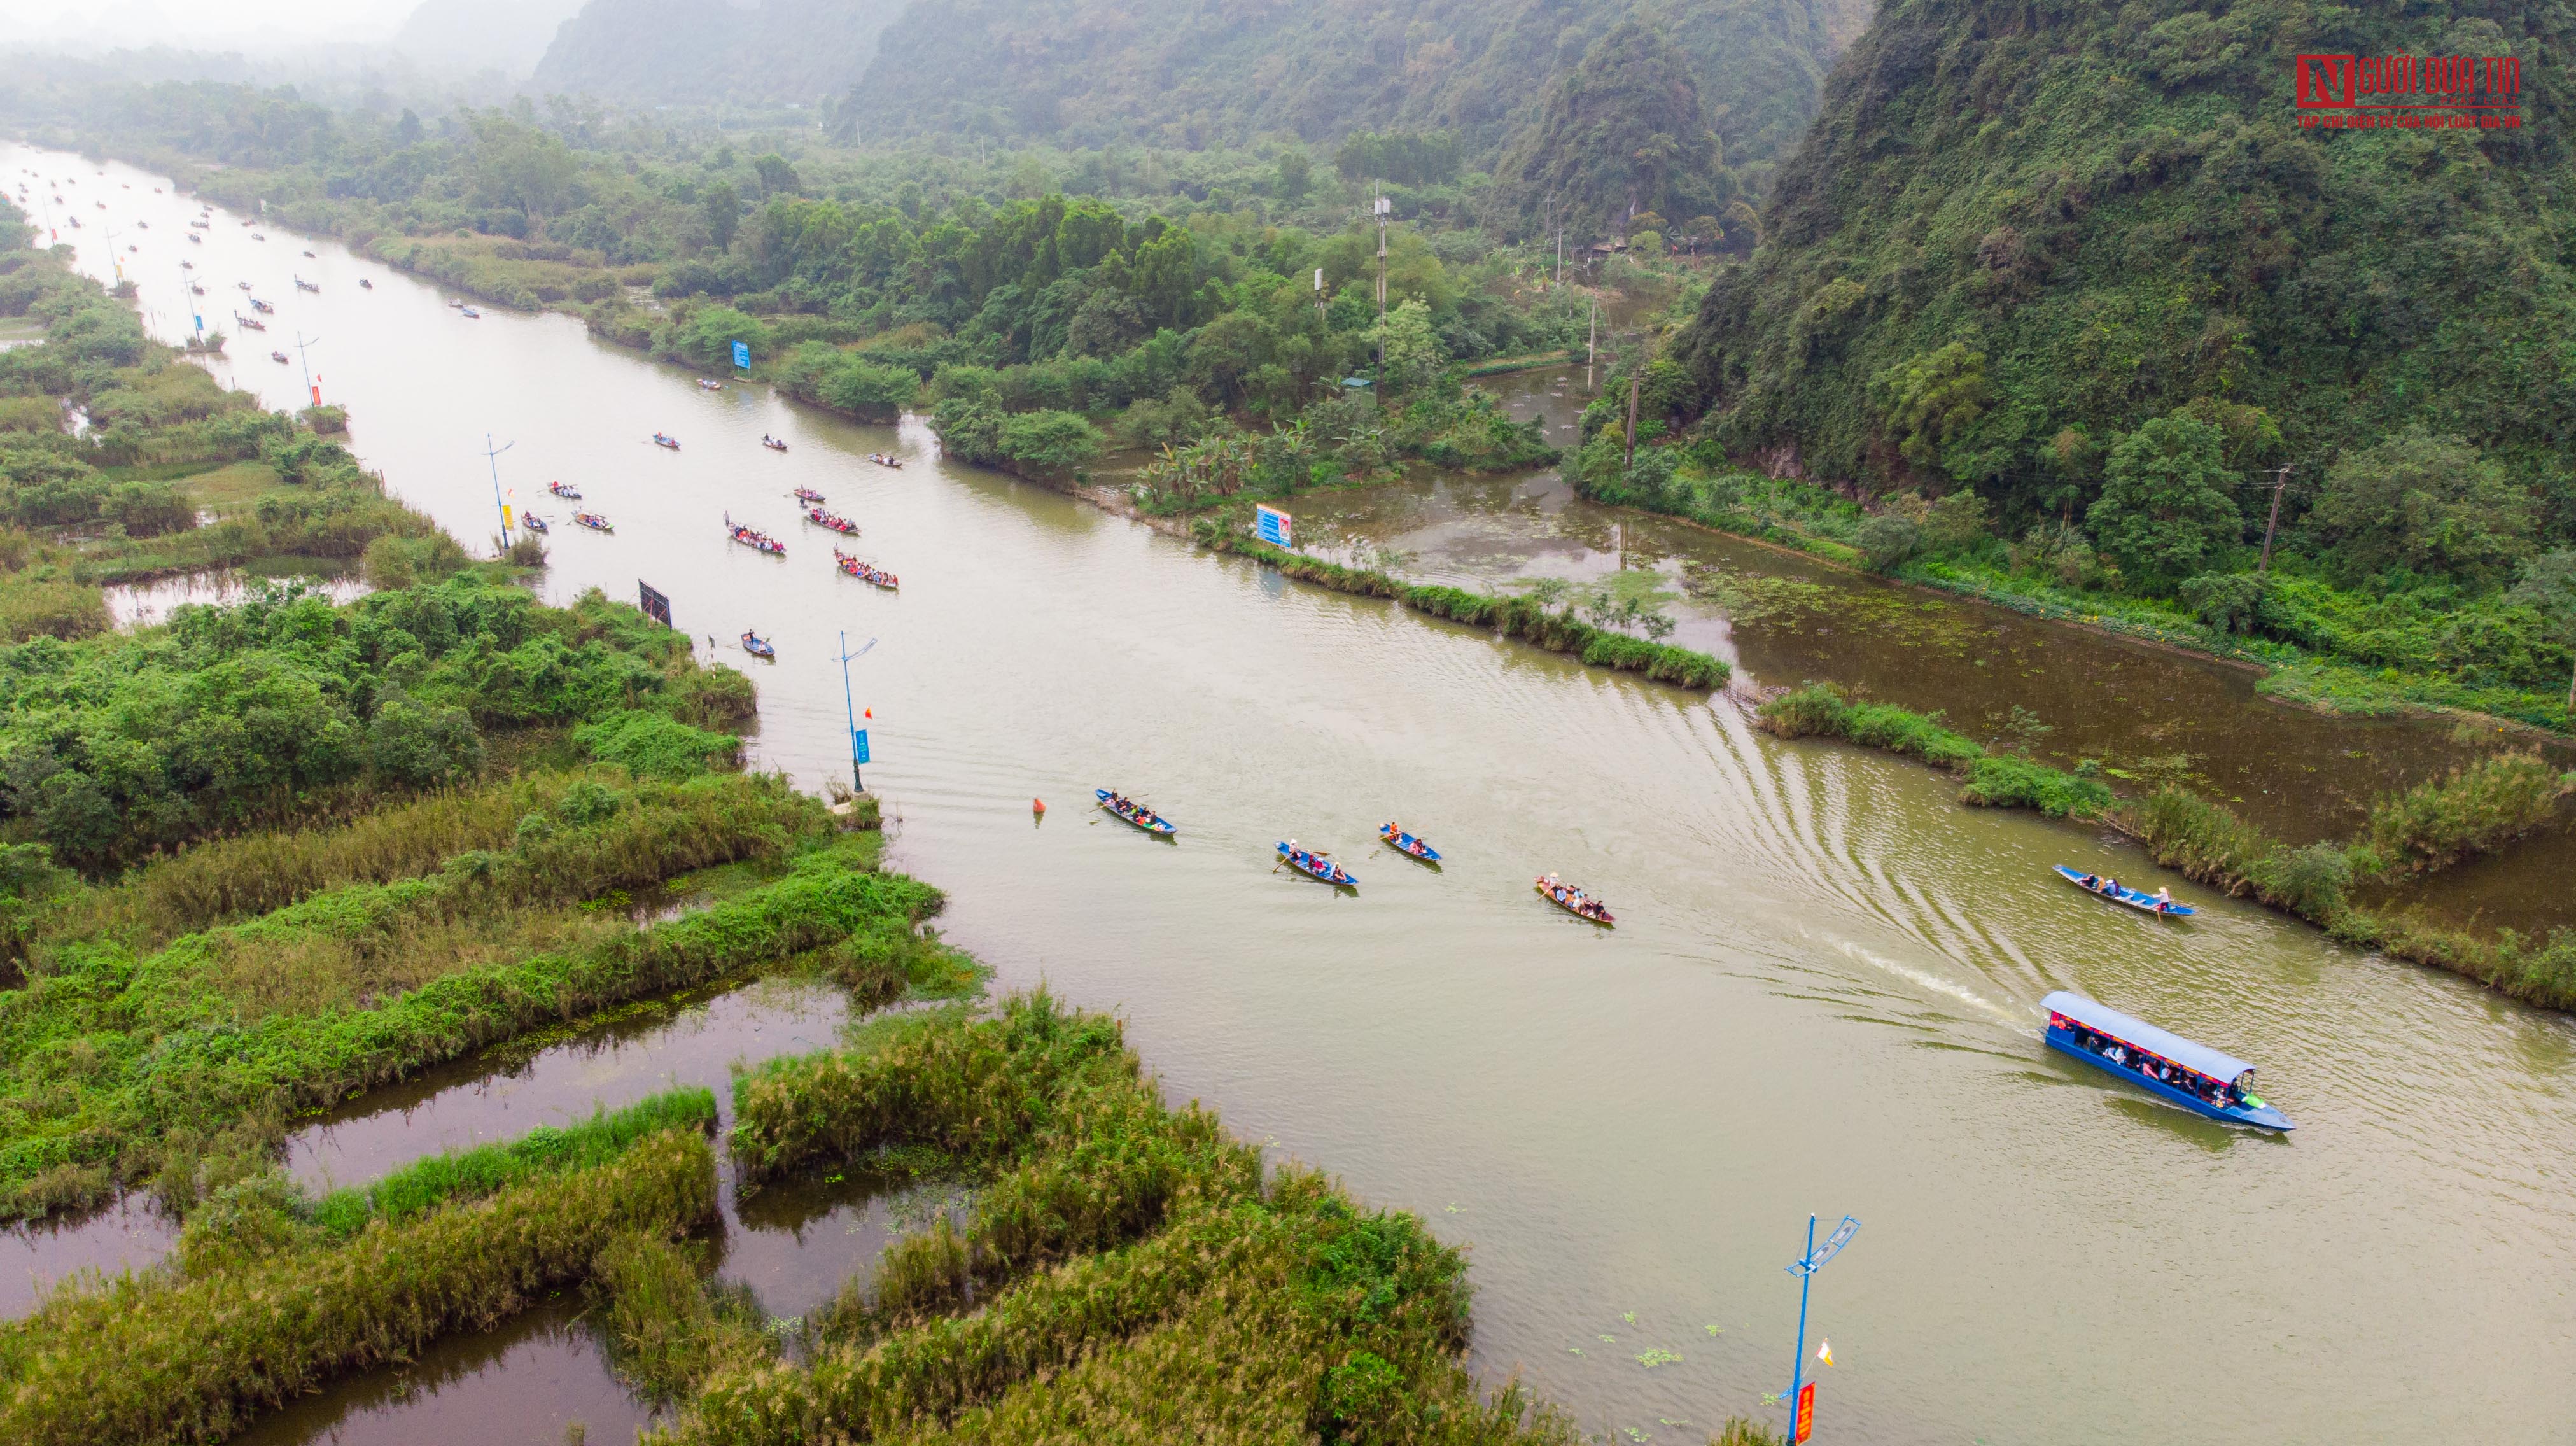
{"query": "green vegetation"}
pixel 1989 780
pixel 160 1359
pixel 1532 619
pixel 2100 281
pixel 2478 808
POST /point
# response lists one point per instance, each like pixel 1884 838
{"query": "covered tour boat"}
pixel 2194 1076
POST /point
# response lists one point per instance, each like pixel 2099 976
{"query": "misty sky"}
pixel 117 23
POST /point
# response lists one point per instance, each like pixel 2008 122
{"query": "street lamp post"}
pixel 1805 1268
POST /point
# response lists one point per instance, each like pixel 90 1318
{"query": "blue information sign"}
pixel 742 355
pixel 859 745
pixel 1272 526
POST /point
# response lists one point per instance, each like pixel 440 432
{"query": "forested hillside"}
pixel 2114 219
pixel 1201 72
pixel 465 36
pixel 711 52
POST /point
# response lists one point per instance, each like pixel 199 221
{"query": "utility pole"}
pixel 1385 208
pixel 849 709
pixel 2265 566
pixel 1592 344
pixel 190 297
pixel 113 259
pixel 315 392
pixel 1320 323
pixel 1632 418
pixel 492 455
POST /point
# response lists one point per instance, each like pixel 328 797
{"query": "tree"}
pixel 706 338
pixel 724 213
pixel 2548 587
pixel 1930 402
pixel 407 130
pixel 1296 175
pixel 777 178
pixel 1414 356
pixel 2165 511
pixel 1048 441
pixel 2425 503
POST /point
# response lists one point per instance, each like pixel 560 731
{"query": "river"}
pixel 1822 996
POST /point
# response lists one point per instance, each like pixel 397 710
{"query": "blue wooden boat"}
pixel 2142 902
pixel 533 522
pixel 1315 866
pixel 1407 844
pixel 2194 1076
pixel 758 646
pixel 1142 817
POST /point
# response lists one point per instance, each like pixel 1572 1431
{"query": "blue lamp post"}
pixel 1805 1268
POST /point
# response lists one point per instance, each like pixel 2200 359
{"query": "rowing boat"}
pixel 809 496
pixel 564 489
pixel 533 522
pixel 1136 814
pixel 758 646
pixel 1407 844
pixel 2142 902
pixel 593 521
pixel 837 523
pixel 1574 901
pixel 672 443
pixel 1315 866
pixel 876 576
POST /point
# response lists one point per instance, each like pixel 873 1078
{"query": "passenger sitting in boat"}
pixel 2092 881
pixel 2111 887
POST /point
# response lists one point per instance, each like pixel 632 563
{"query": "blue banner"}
pixel 858 745
pixel 742 355
pixel 1271 526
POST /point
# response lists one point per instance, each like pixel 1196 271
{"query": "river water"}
pixel 1822 996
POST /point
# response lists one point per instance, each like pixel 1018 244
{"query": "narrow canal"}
pixel 1822 996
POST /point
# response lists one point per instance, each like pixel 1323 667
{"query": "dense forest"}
pixel 2062 291
pixel 1195 73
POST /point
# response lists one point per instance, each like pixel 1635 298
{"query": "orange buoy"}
pixel 1037 805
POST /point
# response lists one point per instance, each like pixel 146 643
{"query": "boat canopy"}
pixel 2103 1019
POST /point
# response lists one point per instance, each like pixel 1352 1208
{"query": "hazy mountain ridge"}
pixel 711 52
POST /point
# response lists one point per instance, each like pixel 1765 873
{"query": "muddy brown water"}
pixel 1822 997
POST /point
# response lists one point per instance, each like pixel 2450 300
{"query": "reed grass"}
pixel 665 1325
pixel 450 1176
pixel 90 1106
pixel 1516 617
pixel 2476 809
pixel 195 1360
pixel 1989 780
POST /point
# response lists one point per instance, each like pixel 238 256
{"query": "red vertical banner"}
pixel 1803 1424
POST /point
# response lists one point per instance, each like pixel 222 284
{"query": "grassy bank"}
pixel 1512 617
pixel 1130 1271
pixel 2479 808
pixel 194 1359
pixel 180 1066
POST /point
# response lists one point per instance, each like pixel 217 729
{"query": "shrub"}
pixel 1887 542
pixel 2005 781
pixel 653 745
pixel 2476 809
pixel 419 746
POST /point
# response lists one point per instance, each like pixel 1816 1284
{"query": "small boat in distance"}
pixel 1316 866
pixel 709 384
pixel 308 253
pixel 196 240
pixel 875 576
pixel 365 285
pixel 187 265
pixel 303 285
pixel 564 489
pixel 673 443
pixel 278 357
pixel 242 285
pixel 885 459
pixel 772 443
pixel 1574 901
pixel 2144 903
pixel 1407 844
pixel 249 323
pixel 758 646
pixel 755 539
pixel 469 313
pixel 262 307
pixel 1128 810
pixel 2198 1078
pixel 593 521
pixel 533 523
pixel 837 523
pixel 809 496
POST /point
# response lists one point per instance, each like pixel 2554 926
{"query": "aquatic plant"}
pixel 1525 618
pixel 1991 780
pixel 195 1076
pixel 153 1361
pixel 2475 809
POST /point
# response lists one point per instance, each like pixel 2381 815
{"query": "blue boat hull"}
pixel 1405 844
pixel 1159 828
pixel 1318 870
pixel 2265 1118
pixel 2144 903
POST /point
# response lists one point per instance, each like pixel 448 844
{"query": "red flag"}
pixel 867 712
